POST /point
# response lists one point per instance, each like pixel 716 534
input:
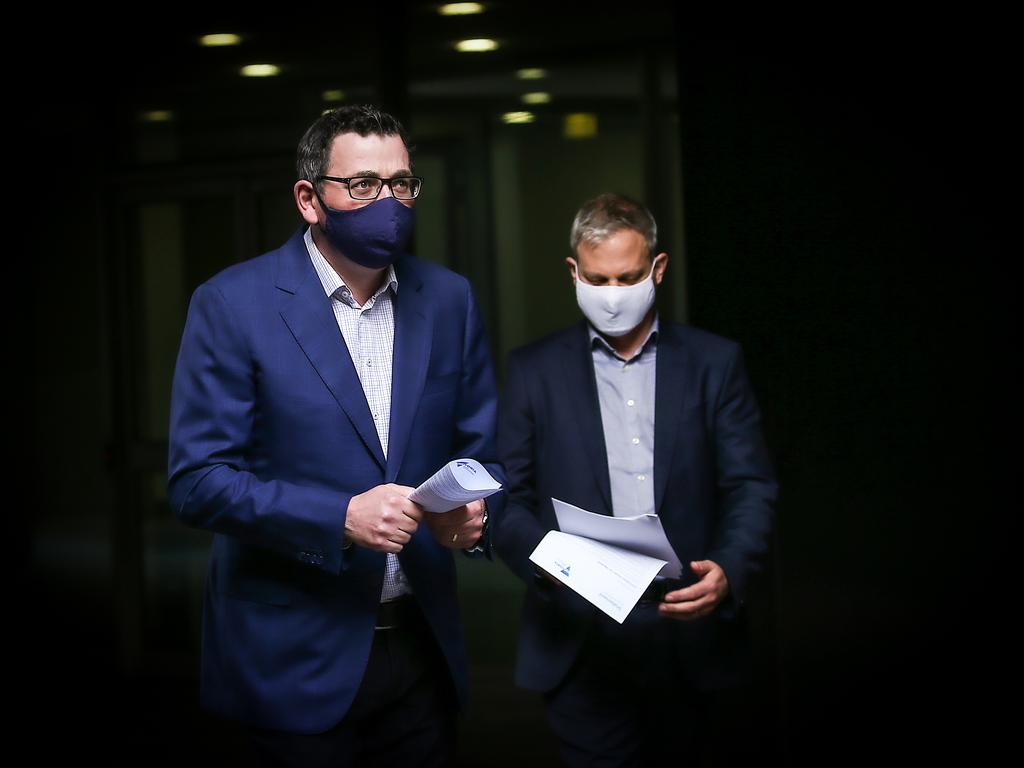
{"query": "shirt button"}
pixel 631 403
pixel 369 363
pixel 636 441
pixel 641 477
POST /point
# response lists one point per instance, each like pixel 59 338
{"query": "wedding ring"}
pixel 454 537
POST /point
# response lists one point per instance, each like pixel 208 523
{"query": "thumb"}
pixel 700 566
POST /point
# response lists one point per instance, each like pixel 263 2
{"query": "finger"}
pixel 690 610
pixel 703 599
pixel 455 517
pixel 388 546
pixel 407 526
pixel 400 538
pixel 469 537
pixel 692 592
pixel 412 510
pixel 678 609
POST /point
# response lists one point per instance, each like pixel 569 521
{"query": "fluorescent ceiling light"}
pixel 476 45
pixel 460 9
pixel 260 70
pixel 224 38
pixel 518 118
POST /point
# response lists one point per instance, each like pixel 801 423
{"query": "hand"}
pixel 459 528
pixel 697 600
pixel 383 518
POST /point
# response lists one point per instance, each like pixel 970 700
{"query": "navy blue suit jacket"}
pixel 271 436
pixel 714 486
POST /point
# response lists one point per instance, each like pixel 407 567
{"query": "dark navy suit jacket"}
pixel 714 486
pixel 271 436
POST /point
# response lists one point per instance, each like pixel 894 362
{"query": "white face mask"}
pixel 615 310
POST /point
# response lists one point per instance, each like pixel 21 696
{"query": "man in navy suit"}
pixel 627 414
pixel 315 386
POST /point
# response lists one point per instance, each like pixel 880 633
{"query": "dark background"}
pixel 845 188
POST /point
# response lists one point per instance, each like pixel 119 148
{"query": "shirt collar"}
pixel 331 280
pixel 596 339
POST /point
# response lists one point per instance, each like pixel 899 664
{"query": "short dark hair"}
pixel 606 214
pixel 314 151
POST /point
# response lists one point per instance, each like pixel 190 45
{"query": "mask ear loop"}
pixel 326 208
pixel 654 266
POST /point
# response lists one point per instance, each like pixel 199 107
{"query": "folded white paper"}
pixel 640 533
pixel 456 483
pixel 609 561
pixel 611 578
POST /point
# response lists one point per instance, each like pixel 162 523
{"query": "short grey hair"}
pixel 606 214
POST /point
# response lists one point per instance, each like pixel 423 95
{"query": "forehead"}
pixel 623 251
pixel 352 153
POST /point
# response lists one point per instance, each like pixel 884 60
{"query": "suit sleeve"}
pixel 210 483
pixel 746 483
pixel 519 530
pixel 476 416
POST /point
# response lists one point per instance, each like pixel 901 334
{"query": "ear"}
pixel 573 267
pixel 305 199
pixel 659 267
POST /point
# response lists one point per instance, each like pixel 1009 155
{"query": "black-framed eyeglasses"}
pixel 369 187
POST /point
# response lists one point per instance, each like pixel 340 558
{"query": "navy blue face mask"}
pixel 373 236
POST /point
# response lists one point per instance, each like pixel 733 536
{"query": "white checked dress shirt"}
pixel 369 333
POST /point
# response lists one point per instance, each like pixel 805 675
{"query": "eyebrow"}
pixel 625 276
pixel 636 274
pixel 396 175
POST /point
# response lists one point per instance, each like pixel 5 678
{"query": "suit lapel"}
pixel 668 401
pixel 581 391
pixel 413 334
pixel 308 314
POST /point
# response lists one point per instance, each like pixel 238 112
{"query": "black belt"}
pixel 398 613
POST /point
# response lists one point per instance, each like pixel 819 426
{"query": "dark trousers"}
pixel 627 701
pixel 402 715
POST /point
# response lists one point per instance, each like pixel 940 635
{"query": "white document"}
pixel 456 483
pixel 642 534
pixel 611 578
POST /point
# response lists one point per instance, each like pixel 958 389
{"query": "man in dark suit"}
pixel 315 385
pixel 627 414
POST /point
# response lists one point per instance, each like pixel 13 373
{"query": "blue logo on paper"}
pixel 565 571
pixel 467 465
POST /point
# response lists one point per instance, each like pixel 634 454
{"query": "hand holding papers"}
pixel 609 561
pixel 456 483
